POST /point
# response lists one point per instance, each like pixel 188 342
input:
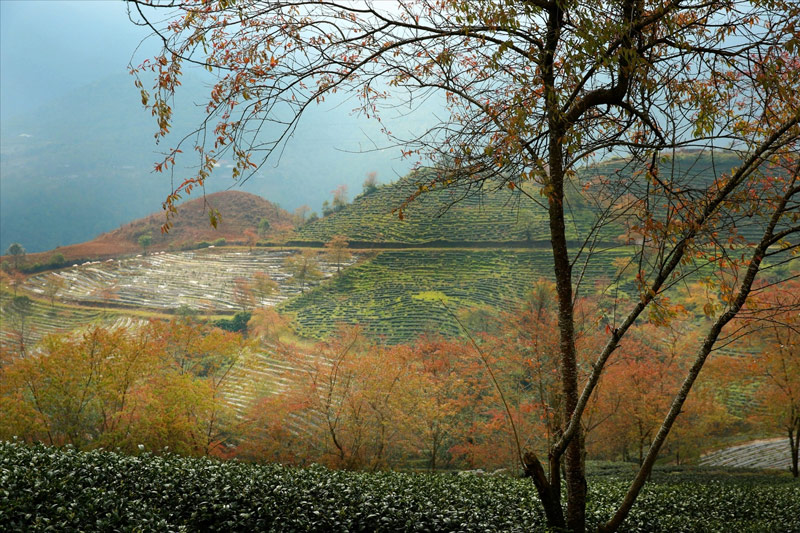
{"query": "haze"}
pixel 77 145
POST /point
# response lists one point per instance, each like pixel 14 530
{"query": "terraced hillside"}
pixel 445 215
pixel 264 372
pixel 42 319
pixel 458 215
pixel 397 295
pixel 202 280
pixel 767 453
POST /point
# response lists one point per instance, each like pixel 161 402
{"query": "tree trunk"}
pixel 549 492
pixel 575 478
pixel 794 445
pixel 434 451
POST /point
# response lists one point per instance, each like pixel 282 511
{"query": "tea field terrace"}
pixel 448 216
pixel 491 214
pixel 41 318
pixel 759 454
pixel 202 280
pixel 398 296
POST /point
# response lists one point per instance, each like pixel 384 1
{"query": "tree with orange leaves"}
pixel 157 385
pixel 439 398
pixel 775 363
pixel 340 405
pixel 251 237
pixel 534 92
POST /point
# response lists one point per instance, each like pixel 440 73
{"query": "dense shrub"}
pixel 63 490
pixel 56 260
pixel 237 324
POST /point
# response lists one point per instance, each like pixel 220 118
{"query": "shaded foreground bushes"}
pixel 45 488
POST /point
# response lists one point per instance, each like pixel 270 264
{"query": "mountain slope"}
pixel 459 215
pixel 437 215
pixel 454 214
pixel 239 210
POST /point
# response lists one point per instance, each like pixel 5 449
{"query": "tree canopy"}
pixel 16 251
pixel 535 91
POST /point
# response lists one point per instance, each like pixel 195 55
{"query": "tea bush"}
pixel 395 295
pixel 47 489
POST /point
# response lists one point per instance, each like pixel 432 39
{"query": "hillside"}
pixel 491 215
pixel 240 211
pixel 481 266
pixel 443 214
pixel 399 295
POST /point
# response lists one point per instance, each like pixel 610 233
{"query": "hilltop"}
pixel 438 215
pixel 240 211
pixel 489 216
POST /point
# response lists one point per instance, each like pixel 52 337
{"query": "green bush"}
pixel 237 324
pixel 56 260
pixel 46 489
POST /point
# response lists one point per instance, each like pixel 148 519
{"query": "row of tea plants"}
pixel 48 489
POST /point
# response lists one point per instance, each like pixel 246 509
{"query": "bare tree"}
pixel 303 267
pixel 52 286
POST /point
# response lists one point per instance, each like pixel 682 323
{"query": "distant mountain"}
pixel 240 211
pixel 77 167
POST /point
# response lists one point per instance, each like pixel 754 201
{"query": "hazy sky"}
pixel 74 56
pixel 48 47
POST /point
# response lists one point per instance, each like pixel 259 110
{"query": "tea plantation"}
pixel 448 215
pixel 397 296
pixel 46 489
pixel 202 280
pixel 41 319
pixel 498 216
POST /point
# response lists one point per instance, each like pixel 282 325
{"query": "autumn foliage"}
pixel 355 404
pixel 156 386
pixel 352 403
